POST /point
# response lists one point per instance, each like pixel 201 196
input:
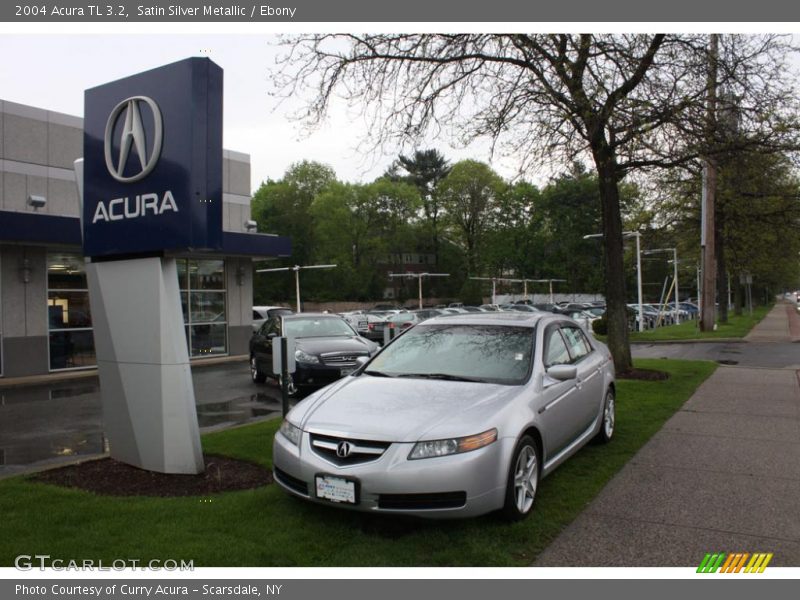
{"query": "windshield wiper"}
pixel 377 373
pixel 443 376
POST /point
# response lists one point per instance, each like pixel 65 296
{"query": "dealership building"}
pixel 45 318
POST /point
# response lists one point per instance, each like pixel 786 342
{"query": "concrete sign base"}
pixel 143 364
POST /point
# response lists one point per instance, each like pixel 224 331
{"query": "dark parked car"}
pixel 326 348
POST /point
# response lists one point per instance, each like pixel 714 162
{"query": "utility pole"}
pixel 418 277
pixel 707 307
pixel 296 269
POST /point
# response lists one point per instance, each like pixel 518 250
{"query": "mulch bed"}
pixel 643 375
pixel 109 477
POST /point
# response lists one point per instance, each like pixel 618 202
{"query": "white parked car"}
pixel 262 313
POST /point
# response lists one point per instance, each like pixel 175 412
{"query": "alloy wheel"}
pixel 525 479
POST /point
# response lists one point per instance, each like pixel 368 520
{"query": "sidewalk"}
pixel 782 324
pixel 723 474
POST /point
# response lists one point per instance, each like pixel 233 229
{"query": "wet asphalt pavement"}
pixel 60 422
pixel 766 355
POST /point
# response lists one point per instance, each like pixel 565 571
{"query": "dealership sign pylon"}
pixel 152 188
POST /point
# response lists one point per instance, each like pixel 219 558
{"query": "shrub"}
pixel 600 326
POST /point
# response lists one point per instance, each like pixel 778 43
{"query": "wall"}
pixel 24 311
pixel 38 148
pixel 37 151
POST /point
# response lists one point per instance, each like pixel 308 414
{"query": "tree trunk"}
pixel 616 305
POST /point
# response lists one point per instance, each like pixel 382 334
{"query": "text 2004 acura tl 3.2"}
pixel 459 416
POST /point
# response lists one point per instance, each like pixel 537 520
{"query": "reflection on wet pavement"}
pixel 57 423
pixel 216 415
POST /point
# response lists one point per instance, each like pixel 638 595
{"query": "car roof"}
pixel 311 315
pixel 270 307
pixel 524 319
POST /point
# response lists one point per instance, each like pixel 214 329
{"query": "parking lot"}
pixel 59 422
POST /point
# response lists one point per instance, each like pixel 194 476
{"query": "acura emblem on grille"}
pixel 343 449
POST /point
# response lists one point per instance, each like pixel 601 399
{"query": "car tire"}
pixel 257 375
pixel 523 479
pixel 609 418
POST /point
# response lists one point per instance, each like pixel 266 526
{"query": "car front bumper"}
pixel 314 375
pixel 456 486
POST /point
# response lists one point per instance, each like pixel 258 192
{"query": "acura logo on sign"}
pixel 343 449
pixel 133 134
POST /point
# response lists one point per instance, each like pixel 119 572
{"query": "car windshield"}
pixel 483 353
pixel 317 327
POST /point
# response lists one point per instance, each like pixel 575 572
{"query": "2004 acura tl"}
pixel 459 416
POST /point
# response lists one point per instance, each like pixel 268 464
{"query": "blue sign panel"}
pixel 153 162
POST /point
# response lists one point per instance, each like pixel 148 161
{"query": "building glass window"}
pixel 202 284
pixel 69 318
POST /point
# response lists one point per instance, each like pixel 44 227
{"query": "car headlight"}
pixel 291 432
pixel 453 445
pixel 305 357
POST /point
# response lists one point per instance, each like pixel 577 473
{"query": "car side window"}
pixel 273 326
pixel 555 350
pixel 576 342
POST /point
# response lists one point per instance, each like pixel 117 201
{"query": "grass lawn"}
pixel 736 327
pixel 266 527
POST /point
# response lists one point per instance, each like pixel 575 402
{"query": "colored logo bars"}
pixel 735 562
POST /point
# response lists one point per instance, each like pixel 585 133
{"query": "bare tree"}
pixel 630 102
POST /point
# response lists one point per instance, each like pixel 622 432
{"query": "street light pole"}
pixel 638 236
pixel 639 278
pixel 419 277
pixel 297 286
pixel 674 275
pixel 296 270
pixel 677 294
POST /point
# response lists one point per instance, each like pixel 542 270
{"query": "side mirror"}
pixel 362 360
pixel 563 372
pixel 272 334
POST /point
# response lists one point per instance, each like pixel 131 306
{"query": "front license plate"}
pixel 346 372
pixel 363 325
pixel 336 489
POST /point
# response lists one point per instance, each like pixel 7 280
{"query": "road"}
pixel 774 355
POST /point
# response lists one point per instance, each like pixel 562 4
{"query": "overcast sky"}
pixel 51 72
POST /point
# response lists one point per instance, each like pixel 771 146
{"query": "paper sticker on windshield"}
pixel 519 356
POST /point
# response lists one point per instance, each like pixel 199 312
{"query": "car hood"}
pixel 322 345
pixel 403 410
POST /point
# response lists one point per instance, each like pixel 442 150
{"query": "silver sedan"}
pixel 459 416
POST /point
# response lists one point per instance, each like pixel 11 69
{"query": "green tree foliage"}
pixel 758 201
pixel 283 207
pixel 471 196
pixel 426 169
pixel 758 223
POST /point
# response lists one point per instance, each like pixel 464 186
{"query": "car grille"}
pixel 298 485
pixel 342 359
pixel 433 501
pixel 360 451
